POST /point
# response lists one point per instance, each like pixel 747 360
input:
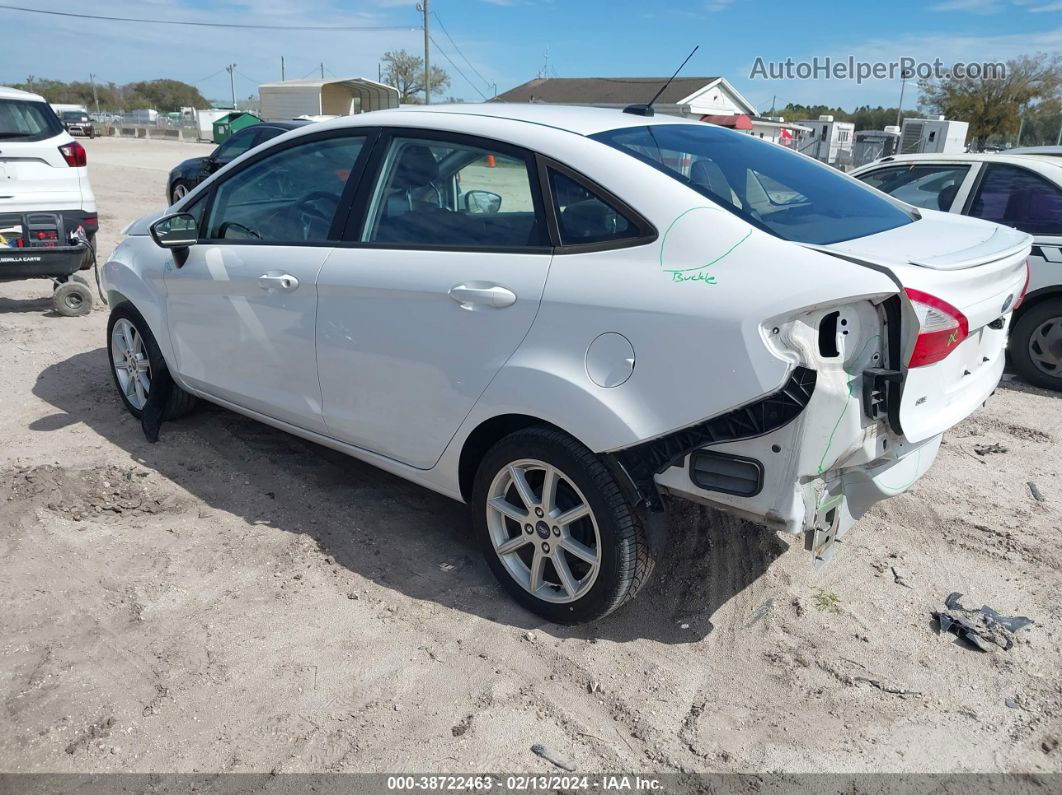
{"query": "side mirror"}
pixel 175 231
pixel 482 202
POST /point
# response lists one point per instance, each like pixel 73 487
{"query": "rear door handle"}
pixel 281 282
pixel 469 295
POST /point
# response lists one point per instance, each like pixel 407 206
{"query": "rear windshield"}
pixel 27 121
pixel 772 188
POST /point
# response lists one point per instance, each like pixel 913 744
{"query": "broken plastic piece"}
pixel 985 628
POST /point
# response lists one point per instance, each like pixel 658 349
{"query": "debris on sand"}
pixel 462 727
pixel 899 577
pixel 1035 492
pixel 887 688
pixel 984 628
pixel 538 749
pixel 988 449
pixel 760 612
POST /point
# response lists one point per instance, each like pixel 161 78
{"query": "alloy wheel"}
pixel 131 364
pixel 544 531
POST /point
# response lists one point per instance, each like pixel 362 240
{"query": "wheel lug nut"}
pixel 545 547
pixel 528 528
pixel 556 531
pixel 538 512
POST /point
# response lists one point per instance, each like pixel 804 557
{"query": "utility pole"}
pixel 422 6
pixel 95 97
pixel 903 85
pixel 282 77
pixel 1058 140
pixel 231 69
pixel 322 70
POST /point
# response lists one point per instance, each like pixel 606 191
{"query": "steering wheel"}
pixel 301 218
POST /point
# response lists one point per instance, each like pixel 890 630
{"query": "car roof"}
pixel 14 93
pixel 578 119
pixel 967 157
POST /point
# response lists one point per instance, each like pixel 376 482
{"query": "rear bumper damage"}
pixel 815 456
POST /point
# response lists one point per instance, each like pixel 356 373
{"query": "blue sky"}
pixel 506 40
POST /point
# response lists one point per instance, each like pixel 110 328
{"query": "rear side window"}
pixel 584 217
pixel 932 187
pixel 768 186
pixel 1017 197
pixel 27 121
pixel 447 194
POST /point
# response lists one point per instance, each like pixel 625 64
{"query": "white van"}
pixel 42 171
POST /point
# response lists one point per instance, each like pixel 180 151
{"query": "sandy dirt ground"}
pixel 235 599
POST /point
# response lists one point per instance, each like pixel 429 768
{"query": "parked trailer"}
pixel 933 136
pixel 341 97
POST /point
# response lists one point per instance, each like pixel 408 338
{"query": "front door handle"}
pixel 281 282
pixel 476 294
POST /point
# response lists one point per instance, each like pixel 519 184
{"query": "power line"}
pixel 320 28
pixel 249 79
pixel 438 19
pixel 197 82
pixel 458 69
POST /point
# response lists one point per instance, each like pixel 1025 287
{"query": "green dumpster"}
pixel 233 122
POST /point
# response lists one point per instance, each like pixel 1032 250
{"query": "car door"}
pixel 242 307
pixel 440 281
pixel 932 186
pixel 1016 196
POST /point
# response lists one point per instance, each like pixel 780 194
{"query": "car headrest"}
pixel 589 219
pixel 946 197
pixel 416 168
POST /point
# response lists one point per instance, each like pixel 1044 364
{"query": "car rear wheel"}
pixel 1036 345
pixel 556 529
pixel 135 358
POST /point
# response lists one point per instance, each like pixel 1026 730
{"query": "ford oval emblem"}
pixel 1007 303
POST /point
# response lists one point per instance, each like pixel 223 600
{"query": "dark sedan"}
pixel 191 172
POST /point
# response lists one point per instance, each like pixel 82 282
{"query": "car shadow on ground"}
pixel 388 530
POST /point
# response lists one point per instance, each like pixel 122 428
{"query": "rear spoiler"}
pixel 981 254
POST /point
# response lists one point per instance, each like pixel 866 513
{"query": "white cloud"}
pixel 971 6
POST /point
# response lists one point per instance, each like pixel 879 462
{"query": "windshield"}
pixel 74 115
pixel 772 188
pixel 27 121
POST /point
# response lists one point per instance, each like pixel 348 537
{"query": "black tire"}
pixel 173 191
pixel 1021 335
pixel 180 402
pixel 626 560
pixel 72 299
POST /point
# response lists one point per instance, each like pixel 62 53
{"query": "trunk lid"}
pixel 974 266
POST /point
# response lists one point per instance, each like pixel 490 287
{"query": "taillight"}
pixel 941 327
pixel 1024 289
pixel 74 154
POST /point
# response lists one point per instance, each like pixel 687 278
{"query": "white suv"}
pixel 42 172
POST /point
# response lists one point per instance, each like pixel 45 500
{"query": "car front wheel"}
pixel 135 359
pixel 180 190
pixel 556 529
pixel 1036 345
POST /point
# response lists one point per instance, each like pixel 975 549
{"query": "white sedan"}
pixel 567 317
pixel 1020 189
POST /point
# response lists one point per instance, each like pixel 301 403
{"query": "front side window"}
pixel 289 196
pixel 932 187
pixel 437 193
pixel 1017 197
pixel 27 121
pixel 772 188
pixel 584 217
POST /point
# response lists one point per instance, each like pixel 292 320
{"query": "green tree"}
pixel 994 107
pixel 405 72
pixel 164 95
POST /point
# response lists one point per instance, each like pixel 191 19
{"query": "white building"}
pixel 711 99
pixel 291 99
pixel 829 141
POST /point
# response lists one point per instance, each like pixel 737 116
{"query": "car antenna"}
pixel 647 110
